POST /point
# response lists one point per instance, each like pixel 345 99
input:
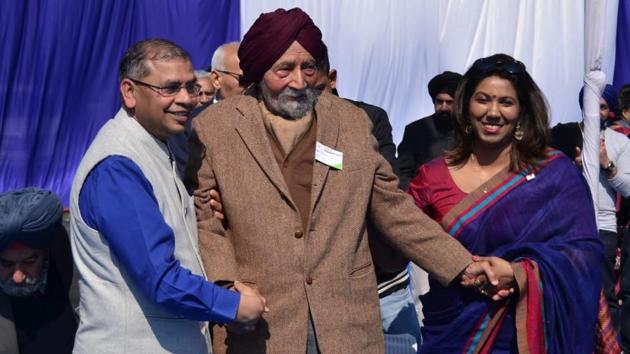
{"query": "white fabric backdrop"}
pixel 387 51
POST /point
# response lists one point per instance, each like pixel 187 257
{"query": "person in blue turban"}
pixel 607 105
pixel 36 274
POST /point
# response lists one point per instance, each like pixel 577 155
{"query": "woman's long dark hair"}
pixel 533 118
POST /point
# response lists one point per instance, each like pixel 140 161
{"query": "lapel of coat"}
pixel 8 338
pixel 327 134
pixel 252 131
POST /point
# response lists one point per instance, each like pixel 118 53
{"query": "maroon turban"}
pixel 271 35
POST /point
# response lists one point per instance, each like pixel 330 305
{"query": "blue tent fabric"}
pixel 59 73
pixel 622 47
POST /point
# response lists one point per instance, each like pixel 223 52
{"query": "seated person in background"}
pixel 37 295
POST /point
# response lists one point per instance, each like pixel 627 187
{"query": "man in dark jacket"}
pixel 427 138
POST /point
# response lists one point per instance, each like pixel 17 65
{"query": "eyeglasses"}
pixel 192 88
pixel 512 67
pixel 238 77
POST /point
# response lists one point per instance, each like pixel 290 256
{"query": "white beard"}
pixel 290 103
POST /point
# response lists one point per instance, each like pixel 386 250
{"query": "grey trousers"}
pixel 311 337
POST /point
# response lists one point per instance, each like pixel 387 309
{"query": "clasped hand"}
pixel 250 309
pixel 490 276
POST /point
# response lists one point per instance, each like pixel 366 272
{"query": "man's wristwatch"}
pixel 609 168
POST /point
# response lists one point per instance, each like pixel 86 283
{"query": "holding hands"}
pixel 490 276
pixel 250 309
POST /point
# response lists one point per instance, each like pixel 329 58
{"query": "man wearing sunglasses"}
pixel 134 234
pixel 227 76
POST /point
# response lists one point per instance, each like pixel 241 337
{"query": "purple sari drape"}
pixel 542 220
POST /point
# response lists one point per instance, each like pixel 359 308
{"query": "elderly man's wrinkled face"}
pixel 22 270
pixel 288 88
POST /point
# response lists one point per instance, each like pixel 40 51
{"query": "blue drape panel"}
pixel 59 73
pixel 622 53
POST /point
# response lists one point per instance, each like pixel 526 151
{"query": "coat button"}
pixel 299 234
pixel 309 280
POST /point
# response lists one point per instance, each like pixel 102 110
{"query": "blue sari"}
pixel 542 220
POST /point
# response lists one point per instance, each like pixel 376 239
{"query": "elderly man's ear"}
pixel 332 77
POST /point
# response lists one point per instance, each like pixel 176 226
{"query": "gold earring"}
pixel 468 129
pixel 518 132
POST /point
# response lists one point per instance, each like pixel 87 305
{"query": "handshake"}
pixel 250 309
pixel 490 276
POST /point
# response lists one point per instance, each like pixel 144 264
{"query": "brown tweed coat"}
pixel 326 267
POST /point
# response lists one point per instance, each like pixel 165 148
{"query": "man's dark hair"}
pixel 445 82
pixel 133 64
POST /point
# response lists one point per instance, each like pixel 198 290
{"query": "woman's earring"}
pixel 468 129
pixel 518 132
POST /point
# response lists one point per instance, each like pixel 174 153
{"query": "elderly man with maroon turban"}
pixel 300 175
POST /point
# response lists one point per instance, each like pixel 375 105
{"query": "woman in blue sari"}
pixel 503 193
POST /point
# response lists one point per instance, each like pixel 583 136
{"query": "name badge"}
pixel 328 156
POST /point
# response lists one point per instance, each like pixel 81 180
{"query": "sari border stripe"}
pixel 492 198
pixel 496 328
pixel 520 314
pixel 486 329
pixel 536 336
pixel 478 201
pixel 476 333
